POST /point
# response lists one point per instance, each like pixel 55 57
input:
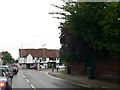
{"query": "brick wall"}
pixel 105 68
pixel 109 69
pixel 77 68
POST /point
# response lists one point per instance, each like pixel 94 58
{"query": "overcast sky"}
pixel 28 24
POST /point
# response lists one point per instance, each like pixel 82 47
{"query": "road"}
pixel 40 79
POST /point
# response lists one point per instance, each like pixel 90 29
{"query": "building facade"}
pixel 43 56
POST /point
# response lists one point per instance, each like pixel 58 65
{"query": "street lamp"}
pixel 21 56
pixel 43 59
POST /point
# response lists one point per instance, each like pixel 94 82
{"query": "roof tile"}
pixel 43 52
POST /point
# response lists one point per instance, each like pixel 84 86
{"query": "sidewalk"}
pixel 84 81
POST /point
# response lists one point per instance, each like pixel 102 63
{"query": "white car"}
pixel 41 66
pixel 62 66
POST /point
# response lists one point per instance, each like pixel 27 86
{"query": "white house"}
pixel 28 57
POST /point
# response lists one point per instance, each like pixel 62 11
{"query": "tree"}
pixel 89 29
pixel 7 58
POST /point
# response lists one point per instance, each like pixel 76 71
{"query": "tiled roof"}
pixel 53 53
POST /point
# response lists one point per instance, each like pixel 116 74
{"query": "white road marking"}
pixel 27 80
pixel 24 76
pixel 33 87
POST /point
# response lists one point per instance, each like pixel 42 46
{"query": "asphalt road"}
pixel 40 79
pixel 19 81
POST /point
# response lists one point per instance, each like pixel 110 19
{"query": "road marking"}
pixel 33 87
pixel 27 80
pixel 24 76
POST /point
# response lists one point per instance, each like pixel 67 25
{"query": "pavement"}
pixel 85 82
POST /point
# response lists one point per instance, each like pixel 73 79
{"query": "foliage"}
pixel 89 29
pixel 7 58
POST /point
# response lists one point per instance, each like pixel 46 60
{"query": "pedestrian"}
pixel 52 67
pixel 45 67
pixel 57 67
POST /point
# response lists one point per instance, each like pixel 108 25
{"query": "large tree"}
pixel 89 29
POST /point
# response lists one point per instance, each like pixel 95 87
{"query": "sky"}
pixel 28 24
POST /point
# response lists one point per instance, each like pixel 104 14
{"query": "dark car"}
pixel 5 81
pixel 15 68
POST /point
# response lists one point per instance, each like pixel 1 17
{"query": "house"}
pixel 43 56
pixel 1 61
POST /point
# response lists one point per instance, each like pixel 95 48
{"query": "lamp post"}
pixel 43 59
pixel 22 59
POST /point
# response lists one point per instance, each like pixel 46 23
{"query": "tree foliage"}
pixel 7 58
pixel 89 29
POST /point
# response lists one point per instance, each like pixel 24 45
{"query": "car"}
pixel 42 67
pixel 15 69
pixel 33 67
pixel 5 81
pixel 15 65
pixel 7 70
pixel 62 66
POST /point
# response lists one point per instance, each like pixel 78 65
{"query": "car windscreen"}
pixel 5 69
pixel 0 72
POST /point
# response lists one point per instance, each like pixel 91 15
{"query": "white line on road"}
pixel 24 76
pixel 27 80
pixel 33 87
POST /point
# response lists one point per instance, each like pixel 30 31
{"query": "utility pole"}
pixel 44 58
pixel 22 57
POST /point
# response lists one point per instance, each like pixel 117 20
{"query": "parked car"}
pixel 7 70
pixel 42 67
pixel 5 81
pixel 15 65
pixel 33 67
pixel 15 69
pixel 62 66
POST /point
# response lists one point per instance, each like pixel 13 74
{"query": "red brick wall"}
pixel 108 67
pixel 77 68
